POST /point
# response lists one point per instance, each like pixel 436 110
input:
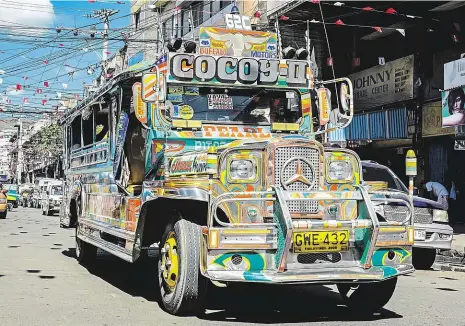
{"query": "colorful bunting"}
pixel 339 22
pixel 65 86
pixel 283 18
pixel 39 91
pixel 46 62
pixel 329 61
pixel 25 100
pixel 376 28
pixel 44 102
pixel 391 11
pixel 367 9
pixel 401 31
pixel 46 84
pixel 19 87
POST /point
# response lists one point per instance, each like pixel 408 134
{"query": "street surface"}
pixel 41 283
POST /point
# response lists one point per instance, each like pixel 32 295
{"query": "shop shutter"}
pixel 437 162
pixel 377 125
pixel 358 130
pixel 397 123
pixel 337 135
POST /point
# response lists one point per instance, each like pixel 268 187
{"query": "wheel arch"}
pixel 157 213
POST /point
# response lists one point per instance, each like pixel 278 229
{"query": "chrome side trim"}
pixel 107 246
pixel 123 234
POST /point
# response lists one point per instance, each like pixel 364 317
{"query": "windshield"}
pixel 57 190
pixel 382 174
pixel 248 106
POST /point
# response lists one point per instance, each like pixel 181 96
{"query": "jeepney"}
pixel 213 158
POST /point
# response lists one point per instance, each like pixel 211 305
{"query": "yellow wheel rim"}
pixel 170 262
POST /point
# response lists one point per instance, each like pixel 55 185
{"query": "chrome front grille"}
pixel 287 163
pixel 397 214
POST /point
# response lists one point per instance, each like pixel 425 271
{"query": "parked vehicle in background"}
pixel 25 191
pixel 52 197
pixel 39 187
pixel 3 204
pixel 12 195
pixel 33 200
pixel 432 231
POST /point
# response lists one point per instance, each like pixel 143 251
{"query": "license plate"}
pixel 321 241
pixel 420 235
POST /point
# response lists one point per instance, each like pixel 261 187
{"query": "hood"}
pixel 424 202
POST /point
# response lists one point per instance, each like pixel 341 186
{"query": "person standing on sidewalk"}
pixel 439 191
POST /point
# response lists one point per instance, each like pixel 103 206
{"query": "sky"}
pixel 46 64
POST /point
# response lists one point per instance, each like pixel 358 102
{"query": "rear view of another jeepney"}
pixel 291 211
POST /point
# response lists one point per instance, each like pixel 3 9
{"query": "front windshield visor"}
pixel 233 105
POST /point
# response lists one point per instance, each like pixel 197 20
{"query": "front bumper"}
pixel 264 252
pixel 438 236
pixel 317 275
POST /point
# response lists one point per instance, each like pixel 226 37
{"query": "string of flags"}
pixel 339 22
pixel 388 11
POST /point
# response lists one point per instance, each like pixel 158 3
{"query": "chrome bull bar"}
pixel 281 196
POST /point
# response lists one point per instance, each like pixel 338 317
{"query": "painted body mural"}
pixel 217 166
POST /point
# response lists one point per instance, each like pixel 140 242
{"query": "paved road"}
pixel 42 284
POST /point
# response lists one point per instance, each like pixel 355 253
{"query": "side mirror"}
pixel 47 192
pixel 153 87
pixel 324 104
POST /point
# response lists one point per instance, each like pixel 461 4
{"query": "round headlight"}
pixel 242 170
pixel 340 171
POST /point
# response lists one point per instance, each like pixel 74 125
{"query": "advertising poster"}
pixel 224 41
pixel 453 112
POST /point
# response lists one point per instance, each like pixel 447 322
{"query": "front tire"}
pixel 3 215
pixel 423 258
pixel 182 287
pixel 85 252
pixel 369 297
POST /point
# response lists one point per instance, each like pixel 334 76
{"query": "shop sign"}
pixel 384 84
pixel 454 74
pixel 432 121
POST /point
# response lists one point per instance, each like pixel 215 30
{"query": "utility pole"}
pixel 104 16
pixel 20 151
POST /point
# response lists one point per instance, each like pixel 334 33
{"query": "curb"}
pixel 449 267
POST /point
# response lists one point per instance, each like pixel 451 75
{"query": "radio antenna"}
pixel 331 56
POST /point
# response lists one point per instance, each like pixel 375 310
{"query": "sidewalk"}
pixel 458 241
pixel 452 260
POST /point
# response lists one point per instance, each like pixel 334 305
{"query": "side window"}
pixel 101 125
pixel 88 128
pixel 76 133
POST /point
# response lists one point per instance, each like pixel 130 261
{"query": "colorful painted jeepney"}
pixel 212 159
